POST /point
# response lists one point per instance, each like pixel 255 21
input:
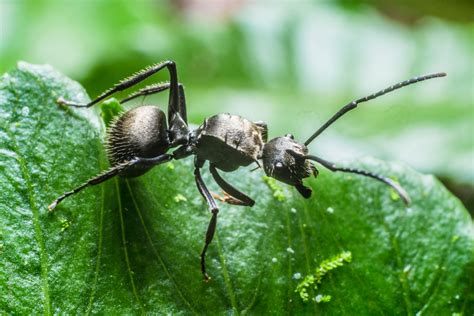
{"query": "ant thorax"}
pixel 229 141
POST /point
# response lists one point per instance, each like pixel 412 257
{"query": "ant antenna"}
pixel 398 188
pixel 352 105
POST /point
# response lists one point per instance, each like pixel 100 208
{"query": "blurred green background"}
pixel 290 63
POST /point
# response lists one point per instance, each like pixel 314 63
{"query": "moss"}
pixel 278 193
pixel 316 278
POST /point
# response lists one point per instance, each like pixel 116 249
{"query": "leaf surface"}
pixel 132 245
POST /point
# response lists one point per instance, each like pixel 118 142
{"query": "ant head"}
pixel 283 159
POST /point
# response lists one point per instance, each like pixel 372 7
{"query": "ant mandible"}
pixel 140 138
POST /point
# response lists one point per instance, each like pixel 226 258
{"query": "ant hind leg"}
pixel 110 173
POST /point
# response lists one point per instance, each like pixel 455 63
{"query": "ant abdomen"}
pixel 139 132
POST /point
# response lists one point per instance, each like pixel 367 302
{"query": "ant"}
pixel 140 139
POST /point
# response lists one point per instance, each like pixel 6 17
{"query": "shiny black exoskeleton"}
pixel 141 138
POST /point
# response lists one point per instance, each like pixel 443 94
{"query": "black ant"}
pixel 140 138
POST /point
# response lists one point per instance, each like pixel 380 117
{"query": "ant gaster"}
pixel 140 139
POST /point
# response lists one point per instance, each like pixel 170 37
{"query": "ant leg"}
pixel 212 224
pixel 148 90
pixel 157 88
pixel 182 104
pixel 264 129
pixel 303 190
pixel 133 80
pixel 177 119
pixel 331 166
pixel 113 171
pixel 241 198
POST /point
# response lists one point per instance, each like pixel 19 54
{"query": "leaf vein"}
pixel 290 270
pixel 36 221
pixel 305 245
pixel 225 274
pixel 402 276
pixel 155 251
pixel 433 290
pixel 100 242
pixel 37 227
pixel 125 250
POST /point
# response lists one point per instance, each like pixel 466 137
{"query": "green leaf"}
pixel 132 245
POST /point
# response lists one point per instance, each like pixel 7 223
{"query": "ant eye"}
pixel 290 136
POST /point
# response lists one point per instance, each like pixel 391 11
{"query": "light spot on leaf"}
pixel 322 298
pixel 25 111
pixel 180 198
pixel 64 224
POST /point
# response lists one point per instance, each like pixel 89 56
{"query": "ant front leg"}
pixel 240 197
pixel 213 222
pixel 112 172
